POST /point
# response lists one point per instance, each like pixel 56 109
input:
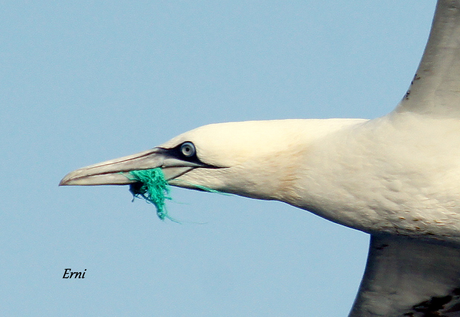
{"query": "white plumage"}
pixel 395 177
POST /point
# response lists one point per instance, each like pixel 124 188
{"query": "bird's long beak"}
pixel 116 172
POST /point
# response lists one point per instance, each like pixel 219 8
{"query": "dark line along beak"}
pixel 116 172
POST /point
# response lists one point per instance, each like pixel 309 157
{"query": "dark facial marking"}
pixel 185 151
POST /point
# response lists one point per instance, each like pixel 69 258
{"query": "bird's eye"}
pixel 187 149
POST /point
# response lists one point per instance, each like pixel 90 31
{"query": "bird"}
pixel 395 177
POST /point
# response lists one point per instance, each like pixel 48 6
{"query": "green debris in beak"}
pixel 152 186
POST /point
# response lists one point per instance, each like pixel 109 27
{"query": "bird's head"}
pixel 258 159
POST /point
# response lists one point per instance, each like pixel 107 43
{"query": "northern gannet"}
pixel 396 177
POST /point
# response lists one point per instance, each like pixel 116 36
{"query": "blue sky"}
pixel 85 81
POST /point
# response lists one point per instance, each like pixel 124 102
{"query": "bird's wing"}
pixel 435 89
pixel 406 277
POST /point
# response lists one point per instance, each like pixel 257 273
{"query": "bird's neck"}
pixel 278 169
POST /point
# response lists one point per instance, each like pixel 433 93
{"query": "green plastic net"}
pixel 152 186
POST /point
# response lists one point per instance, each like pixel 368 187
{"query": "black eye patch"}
pixel 185 151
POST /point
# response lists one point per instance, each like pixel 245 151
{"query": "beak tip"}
pixel 66 180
